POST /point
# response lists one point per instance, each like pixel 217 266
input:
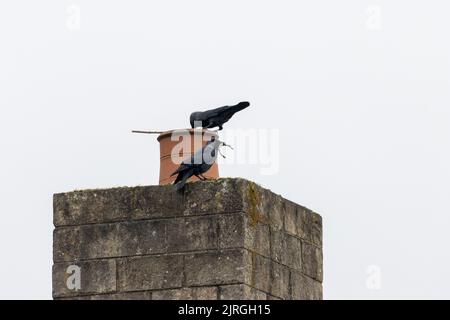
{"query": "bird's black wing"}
pixel 185 165
pixel 189 162
pixel 214 112
pixel 181 168
pixel 226 111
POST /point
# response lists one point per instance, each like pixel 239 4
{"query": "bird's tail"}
pixel 181 183
pixel 240 106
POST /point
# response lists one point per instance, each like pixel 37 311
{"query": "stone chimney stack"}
pixel 221 239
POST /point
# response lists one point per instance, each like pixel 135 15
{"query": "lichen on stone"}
pixel 253 200
pixel 135 202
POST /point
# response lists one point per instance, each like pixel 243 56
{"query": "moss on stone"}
pixel 135 195
pixel 253 200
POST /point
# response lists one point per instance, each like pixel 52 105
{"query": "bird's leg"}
pixel 204 178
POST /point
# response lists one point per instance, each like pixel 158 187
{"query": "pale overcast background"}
pixel 358 89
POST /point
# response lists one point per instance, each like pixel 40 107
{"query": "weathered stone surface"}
pixel 117 204
pixel 257 237
pixel 286 249
pixel 66 244
pixel 290 217
pixel 303 223
pixel 227 239
pixel 305 288
pixel 238 231
pixel 196 293
pixel 280 281
pixel 260 276
pixel 274 205
pixel 312 261
pixel 254 204
pixel 142 237
pixel 109 240
pixel 316 230
pixel 192 233
pixel 138 295
pixel 147 273
pixel 155 201
pixel 214 196
pixel 232 292
pixel 277 245
pixel 292 252
pixel 97 276
pixel 231 230
pixel 213 268
pixel 240 292
pixel 248 267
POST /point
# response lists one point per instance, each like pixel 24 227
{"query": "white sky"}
pixel 358 89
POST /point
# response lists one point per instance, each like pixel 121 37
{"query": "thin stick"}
pixel 227 145
pixel 147 132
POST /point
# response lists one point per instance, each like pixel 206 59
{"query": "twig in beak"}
pixel 227 145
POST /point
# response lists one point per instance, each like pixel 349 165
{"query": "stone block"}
pixel 192 233
pixel 109 240
pixel 312 261
pixel 231 230
pixel 260 272
pixel 305 288
pixel 83 278
pixel 286 249
pixel 117 204
pixel 280 281
pixel 292 252
pixel 150 273
pixel 215 268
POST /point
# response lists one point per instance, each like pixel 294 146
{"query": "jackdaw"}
pixel 216 117
pixel 199 163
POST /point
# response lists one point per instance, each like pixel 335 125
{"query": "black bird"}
pixel 199 163
pixel 216 117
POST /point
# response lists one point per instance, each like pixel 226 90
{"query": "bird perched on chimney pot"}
pixel 199 163
pixel 216 117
